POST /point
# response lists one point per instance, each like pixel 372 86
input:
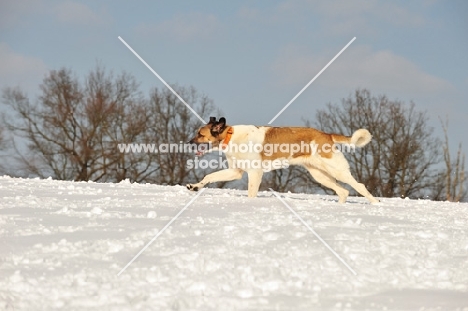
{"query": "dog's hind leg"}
pixel 346 177
pixel 223 175
pixel 328 181
pixel 255 179
pixel 338 168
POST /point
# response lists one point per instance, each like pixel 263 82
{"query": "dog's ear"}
pixel 219 126
pixel 212 120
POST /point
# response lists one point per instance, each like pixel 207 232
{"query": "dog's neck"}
pixel 226 136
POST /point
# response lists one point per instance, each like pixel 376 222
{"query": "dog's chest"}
pixel 246 142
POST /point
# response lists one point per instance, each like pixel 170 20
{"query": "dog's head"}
pixel 211 133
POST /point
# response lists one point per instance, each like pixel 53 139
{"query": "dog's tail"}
pixel 360 138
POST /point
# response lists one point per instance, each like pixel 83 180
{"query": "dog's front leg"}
pixel 223 175
pixel 255 179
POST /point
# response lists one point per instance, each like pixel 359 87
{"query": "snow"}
pixel 63 243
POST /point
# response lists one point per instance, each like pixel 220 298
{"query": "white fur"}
pixel 361 138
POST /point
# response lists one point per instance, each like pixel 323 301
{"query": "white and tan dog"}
pixel 326 165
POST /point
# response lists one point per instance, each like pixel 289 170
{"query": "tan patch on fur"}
pixel 296 135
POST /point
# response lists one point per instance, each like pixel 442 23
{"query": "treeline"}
pixel 404 158
pixel 72 130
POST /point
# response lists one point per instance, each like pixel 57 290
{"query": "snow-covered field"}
pixel 63 243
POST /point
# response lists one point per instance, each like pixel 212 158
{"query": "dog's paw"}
pixel 192 187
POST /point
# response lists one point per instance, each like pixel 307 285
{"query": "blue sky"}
pixel 252 57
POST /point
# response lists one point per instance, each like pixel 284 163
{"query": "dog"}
pixel 326 164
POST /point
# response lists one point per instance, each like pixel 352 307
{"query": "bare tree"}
pixel 67 127
pixel 282 180
pixel 2 147
pixel 170 122
pixel 400 159
pixel 73 130
pixel 451 183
